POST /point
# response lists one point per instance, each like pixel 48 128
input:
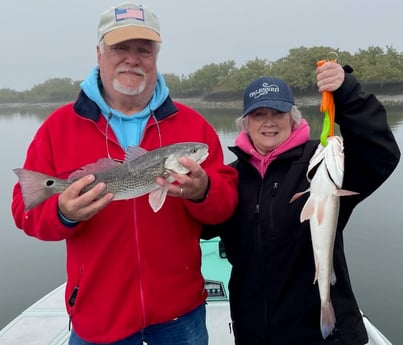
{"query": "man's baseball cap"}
pixel 126 22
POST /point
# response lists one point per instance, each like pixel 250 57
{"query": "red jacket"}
pixel 132 267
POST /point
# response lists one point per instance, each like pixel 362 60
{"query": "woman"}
pixel 272 296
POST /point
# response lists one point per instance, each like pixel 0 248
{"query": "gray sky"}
pixel 45 39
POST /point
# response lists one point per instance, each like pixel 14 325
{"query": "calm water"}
pixel 30 268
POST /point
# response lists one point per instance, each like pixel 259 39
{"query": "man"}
pixel 133 275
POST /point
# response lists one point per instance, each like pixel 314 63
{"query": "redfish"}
pixel 135 177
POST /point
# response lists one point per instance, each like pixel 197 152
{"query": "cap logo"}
pixel 129 13
pixel 264 90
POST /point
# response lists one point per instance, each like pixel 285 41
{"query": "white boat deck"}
pixel 46 323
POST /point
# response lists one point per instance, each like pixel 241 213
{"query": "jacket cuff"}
pixel 65 221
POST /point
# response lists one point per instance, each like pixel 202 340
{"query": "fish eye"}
pixel 49 183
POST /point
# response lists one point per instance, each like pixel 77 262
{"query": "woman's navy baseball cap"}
pixel 267 93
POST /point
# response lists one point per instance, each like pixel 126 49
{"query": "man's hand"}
pixel 194 185
pixel 79 207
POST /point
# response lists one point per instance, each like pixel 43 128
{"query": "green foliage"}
pixel 10 96
pixel 52 90
pixel 174 83
pixel 298 68
pixel 380 68
pixel 375 65
pixel 209 77
pixel 55 90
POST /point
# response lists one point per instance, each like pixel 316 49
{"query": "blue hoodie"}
pixel 127 128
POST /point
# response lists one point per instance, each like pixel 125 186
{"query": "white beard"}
pixel 129 91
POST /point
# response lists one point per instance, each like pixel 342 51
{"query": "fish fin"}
pixel 344 192
pixel 327 319
pixel 33 187
pixel 298 195
pixel 308 210
pixel 157 198
pixel 134 152
pixel 102 164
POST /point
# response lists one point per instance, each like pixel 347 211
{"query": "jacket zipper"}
pixel 137 246
pixel 258 227
pixel 257 215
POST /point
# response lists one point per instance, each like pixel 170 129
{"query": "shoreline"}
pixel 301 101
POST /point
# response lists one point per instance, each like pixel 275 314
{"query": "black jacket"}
pixel 272 296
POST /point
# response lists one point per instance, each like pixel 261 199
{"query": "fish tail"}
pixel 327 319
pixel 33 187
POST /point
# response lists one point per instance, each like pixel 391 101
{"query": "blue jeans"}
pixel 189 329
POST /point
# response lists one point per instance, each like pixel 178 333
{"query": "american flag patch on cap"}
pixel 129 13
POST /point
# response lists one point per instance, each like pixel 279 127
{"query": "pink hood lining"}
pixel 299 136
